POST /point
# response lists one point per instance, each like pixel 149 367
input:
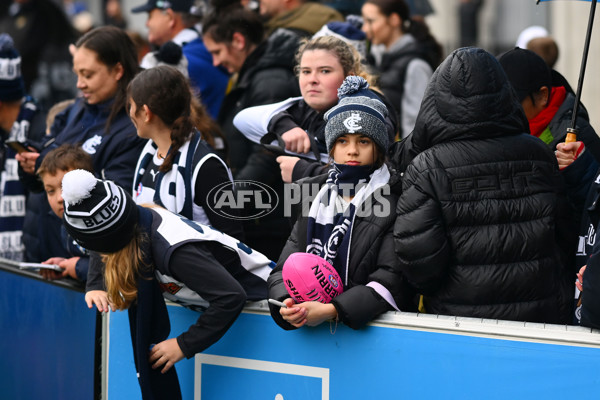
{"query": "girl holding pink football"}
pixel 349 224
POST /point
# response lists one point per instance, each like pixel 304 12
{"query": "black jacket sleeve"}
pixel 275 284
pixel 578 178
pixel 590 305
pixel 420 238
pixel 197 268
pixel 95 274
pixel 261 166
pixel 307 168
pixel 82 268
pixel 360 304
pixel 282 122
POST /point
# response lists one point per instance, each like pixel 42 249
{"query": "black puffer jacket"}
pixel 371 259
pixel 480 215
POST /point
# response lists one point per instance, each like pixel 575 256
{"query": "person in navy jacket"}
pixel 105 62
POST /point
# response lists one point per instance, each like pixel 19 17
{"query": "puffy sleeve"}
pixel 420 239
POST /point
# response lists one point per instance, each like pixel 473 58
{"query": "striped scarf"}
pixel 330 218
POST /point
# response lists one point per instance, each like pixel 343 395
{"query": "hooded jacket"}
pixel 481 211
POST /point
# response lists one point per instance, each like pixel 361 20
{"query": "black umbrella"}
pixel 572 131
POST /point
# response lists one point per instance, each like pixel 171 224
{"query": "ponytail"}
pixel 419 29
pixel 181 130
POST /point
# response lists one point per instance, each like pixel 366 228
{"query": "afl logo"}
pixel 352 123
pixel 333 281
pixel 250 198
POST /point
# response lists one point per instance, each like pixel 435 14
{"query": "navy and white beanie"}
pixel 12 87
pixel 349 31
pixel 169 53
pixel 99 215
pixel 359 111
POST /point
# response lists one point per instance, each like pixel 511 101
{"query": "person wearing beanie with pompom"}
pixel 168 54
pixel 147 251
pixel 297 124
pixel 20 121
pixel 350 220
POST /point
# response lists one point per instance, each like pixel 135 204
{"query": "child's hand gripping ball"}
pixel 308 277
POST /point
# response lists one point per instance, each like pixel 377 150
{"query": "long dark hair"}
pixel 221 24
pixel 167 94
pixel 416 27
pixel 113 46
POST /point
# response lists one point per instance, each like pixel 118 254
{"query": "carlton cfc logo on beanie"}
pixel 12 87
pixel 352 123
pixel 358 111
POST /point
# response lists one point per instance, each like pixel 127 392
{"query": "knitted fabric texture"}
pixel 99 215
pixel 359 111
pixel 12 87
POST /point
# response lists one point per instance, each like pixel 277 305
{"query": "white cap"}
pixel 530 33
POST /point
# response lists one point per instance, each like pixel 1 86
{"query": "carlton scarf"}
pixel 329 226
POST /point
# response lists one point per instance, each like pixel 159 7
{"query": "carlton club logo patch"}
pixel 352 123
pixel 89 146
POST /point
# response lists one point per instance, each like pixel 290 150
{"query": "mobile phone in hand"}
pixel 277 303
pixel 17 146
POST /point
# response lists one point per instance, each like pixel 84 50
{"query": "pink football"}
pixel 308 277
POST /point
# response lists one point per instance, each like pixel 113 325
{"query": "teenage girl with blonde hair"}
pixel 297 123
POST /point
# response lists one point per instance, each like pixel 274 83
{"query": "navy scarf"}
pixel 149 324
pixel 329 225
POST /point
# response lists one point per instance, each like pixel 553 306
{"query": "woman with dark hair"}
pixel 177 168
pixel 105 62
pixel 410 54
